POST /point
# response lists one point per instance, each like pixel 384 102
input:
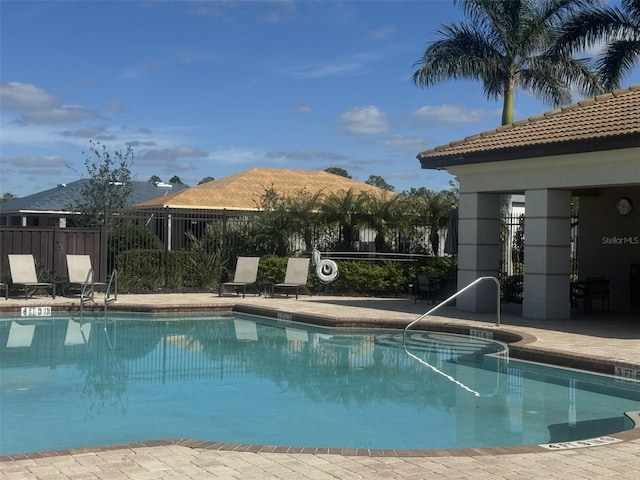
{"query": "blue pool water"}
pixel 246 379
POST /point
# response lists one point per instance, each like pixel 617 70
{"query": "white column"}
pixel 478 249
pixel 547 251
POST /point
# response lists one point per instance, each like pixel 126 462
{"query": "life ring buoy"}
pixel 327 270
pixel 315 256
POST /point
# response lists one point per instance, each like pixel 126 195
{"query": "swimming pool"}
pixel 245 379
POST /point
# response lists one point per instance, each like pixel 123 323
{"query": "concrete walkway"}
pixel 600 341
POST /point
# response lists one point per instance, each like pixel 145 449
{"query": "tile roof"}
pixel 242 191
pixel 62 197
pixel 601 123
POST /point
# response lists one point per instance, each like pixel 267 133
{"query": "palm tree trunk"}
pixel 507 106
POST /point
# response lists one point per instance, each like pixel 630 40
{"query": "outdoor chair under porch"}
pixel 593 288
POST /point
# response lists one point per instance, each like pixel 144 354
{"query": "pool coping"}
pixel 519 347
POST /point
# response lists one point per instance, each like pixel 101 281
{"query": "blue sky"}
pixel 212 88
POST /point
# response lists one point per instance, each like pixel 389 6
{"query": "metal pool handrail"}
pixel 444 302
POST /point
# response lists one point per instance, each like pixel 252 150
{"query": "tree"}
pixel 379 182
pixel 338 171
pixel 272 229
pixel 509 44
pixel 344 208
pixel 303 207
pixel 618 28
pixel 431 209
pixel 7 196
pixel 109 185
pixel 205 180
pixel 383 213
pixel 176 179
pixel 155 179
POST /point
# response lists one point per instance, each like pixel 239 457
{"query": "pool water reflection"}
pixel 246 379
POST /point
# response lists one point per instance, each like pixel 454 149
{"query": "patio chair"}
pixel 296 277
pixel 593 288
pixel 23 275
pixel 426 287
pixel 80 272
pixel 245 275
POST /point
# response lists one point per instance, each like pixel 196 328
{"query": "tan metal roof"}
pixel 602 123
pixel 242 191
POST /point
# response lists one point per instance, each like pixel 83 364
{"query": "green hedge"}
pixel 145 269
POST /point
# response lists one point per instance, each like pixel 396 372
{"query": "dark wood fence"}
pixel 50 245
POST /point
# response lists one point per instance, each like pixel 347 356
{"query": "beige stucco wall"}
pixel 608 168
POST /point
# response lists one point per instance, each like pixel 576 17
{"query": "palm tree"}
pixel 618 28
pixel 304 206
pixel 383 213
pixel 508 44
pixel 345 209
pixel 431 210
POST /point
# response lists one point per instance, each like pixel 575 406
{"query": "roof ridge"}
pixel 539 117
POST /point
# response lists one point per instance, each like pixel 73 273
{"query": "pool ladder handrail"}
pixel 84 298
pixel 441 304
pixel 88 283
pixel 444 302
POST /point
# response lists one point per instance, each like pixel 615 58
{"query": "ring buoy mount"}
pixel 327 270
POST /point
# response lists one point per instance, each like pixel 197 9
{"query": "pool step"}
pixel 438 342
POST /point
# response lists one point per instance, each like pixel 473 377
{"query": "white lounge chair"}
pixel 80 272
pixel 296 277
pixel 23 275
pixel 245 275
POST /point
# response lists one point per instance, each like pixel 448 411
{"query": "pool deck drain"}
pixel 603 340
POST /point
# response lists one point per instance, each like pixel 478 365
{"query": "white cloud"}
pixel 33 164
pixel 37 106
pixel 383 32
pixel 306 155
pixel 236 155
pixel 404 143
pixel 302 108
pixel 364 121
pixel 355 65
pixel 449 115
pixel 24 96
pixel 172 154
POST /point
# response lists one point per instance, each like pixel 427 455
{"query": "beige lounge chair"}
pixel 23 275
pixel 245 275
pixel 296 277
pixel 80 272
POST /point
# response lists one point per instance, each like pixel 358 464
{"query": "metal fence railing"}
pixel 162 244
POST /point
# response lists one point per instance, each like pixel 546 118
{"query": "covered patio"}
pixel 584 156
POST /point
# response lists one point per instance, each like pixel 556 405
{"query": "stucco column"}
pixel 547 251
pixel 478 249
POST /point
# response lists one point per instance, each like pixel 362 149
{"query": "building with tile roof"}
pixel 242 191
pixel 590 150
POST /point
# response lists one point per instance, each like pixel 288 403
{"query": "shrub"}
pixel 359 277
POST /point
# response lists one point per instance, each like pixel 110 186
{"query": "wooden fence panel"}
pixel 50 245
